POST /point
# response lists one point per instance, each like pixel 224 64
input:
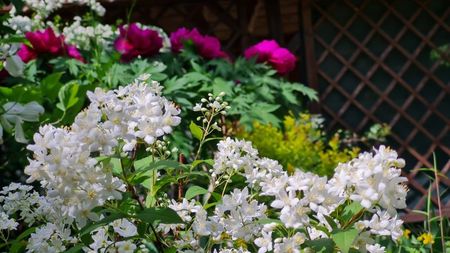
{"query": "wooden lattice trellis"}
pixel 370 62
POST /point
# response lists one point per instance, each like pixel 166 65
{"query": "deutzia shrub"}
pixel 112 182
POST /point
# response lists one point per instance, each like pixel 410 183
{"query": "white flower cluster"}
pixel 44 8
pixel 185 209
pixel 136 111
pixel 104 240
pixel 21 200
pixel 50 238
pixel 84 37
pixel 62 156
pixel 20 24
pixel 373 180
pixel 236 217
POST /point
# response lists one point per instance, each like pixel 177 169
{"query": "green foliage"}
pixel 301 144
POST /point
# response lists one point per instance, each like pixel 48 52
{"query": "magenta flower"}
pixel 181 36
pixel 282 60
pixel 208 47
pixel 46 42
pixel 73 52
pixel 26 53
pixel 134 41
pixel 262 50
pixel 269 51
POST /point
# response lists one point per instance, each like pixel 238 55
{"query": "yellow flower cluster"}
pixel 426 238
pixel 302 144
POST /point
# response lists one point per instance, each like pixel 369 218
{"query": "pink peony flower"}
pixel 73 52
pixel 182 35
pixel 269 51
pixel 282 60
pixel 134 41
pixel 262 50
pixel 46 42
pixel 208 47
pixel 26 53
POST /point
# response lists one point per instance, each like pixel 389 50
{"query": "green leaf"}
pixel 68 96
pixel 196 131
pixel 344 239
pixel 350 211
pixel 195 191
pixel 159 215
pixel 220 85
pixel 196 67
pixel 18 246
pixel 105 221
pixel 195 77
pixel 146 164
pixel 322 245
pixel 171 250
pixel 288 94
pixel 75 248
pixel 305 90
pixel 197 162
pixel 25 233
pixel 50 85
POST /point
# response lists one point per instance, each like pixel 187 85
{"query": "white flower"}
pixel 265 242
pixel 7 223
pixel 125 246
pixel 124 228
pixel 382 223
pixel 376 248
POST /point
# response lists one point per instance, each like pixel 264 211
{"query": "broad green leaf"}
pixel 116 166
pixel 322 245
pixel 344 239
pixel 146 164
pixel 195 191
pixel 350 211
pixel 196 131
pixel 105 221
pixel 197 162
pixel 68 96
pixel 159 215
pixel 50 85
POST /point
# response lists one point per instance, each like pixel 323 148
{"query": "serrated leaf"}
pixel 305 90
pixel 194 191
pixel 220 85
pixel 159 215
pixel 196 131
pixel 344 239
